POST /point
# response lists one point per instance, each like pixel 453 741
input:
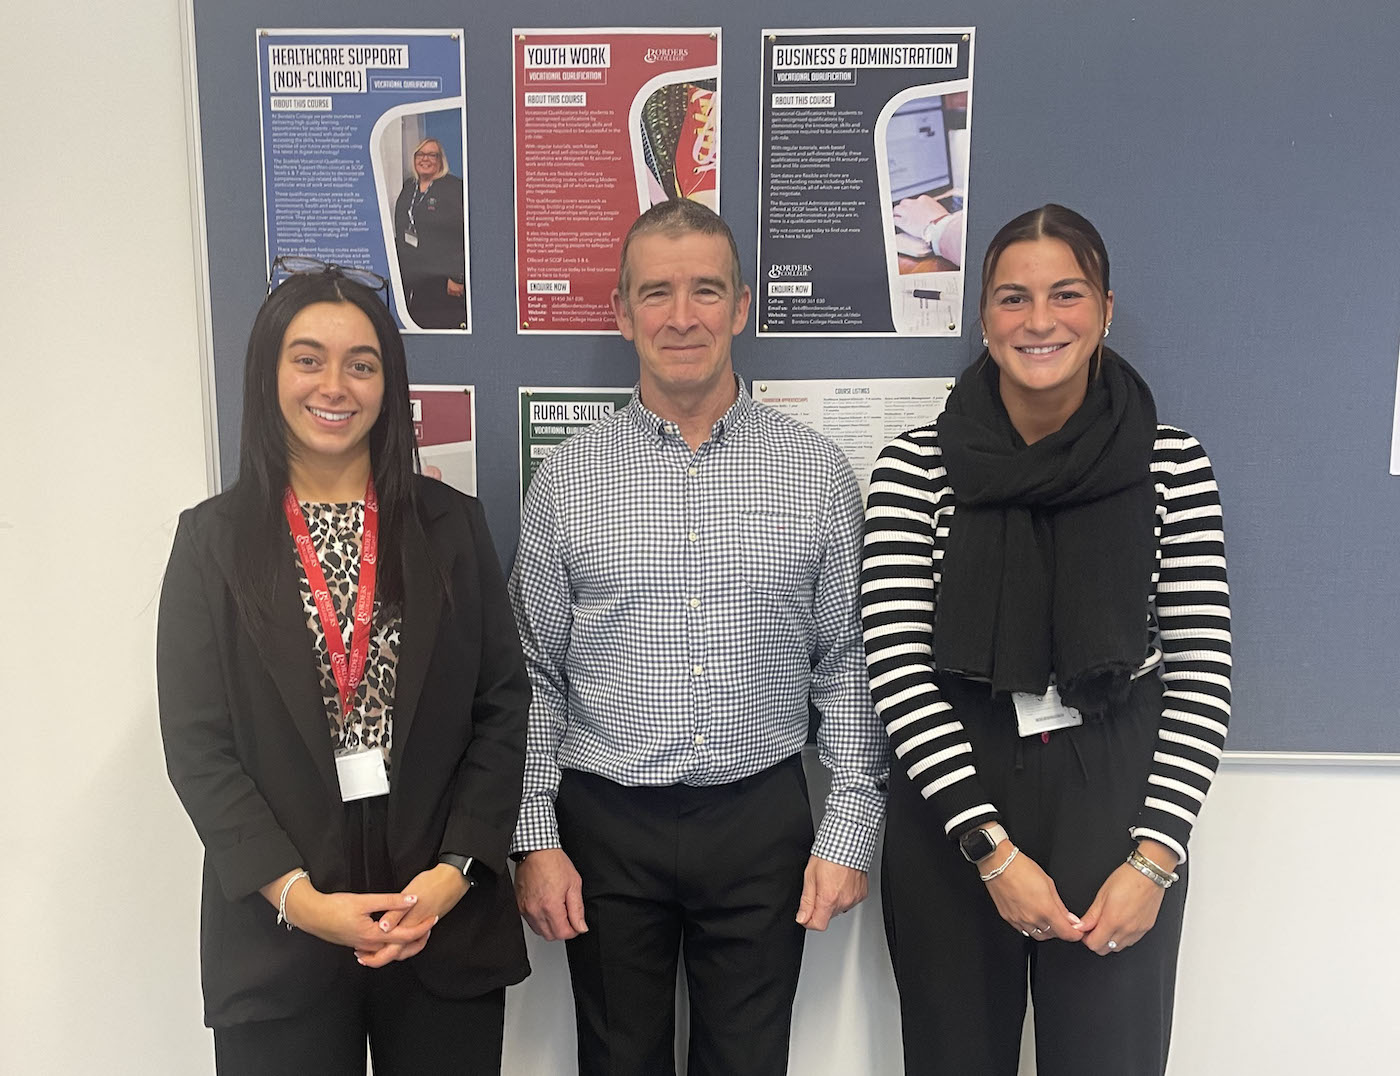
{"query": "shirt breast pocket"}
pixel 778 553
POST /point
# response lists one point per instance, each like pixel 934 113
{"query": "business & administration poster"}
pixel 863 183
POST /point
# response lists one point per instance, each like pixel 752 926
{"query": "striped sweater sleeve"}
pixel 1193 620
pixel 898 590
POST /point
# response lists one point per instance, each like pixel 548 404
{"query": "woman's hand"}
pixel 435 892
pixel 1027 899
pixel 344 918
pixel 1127 904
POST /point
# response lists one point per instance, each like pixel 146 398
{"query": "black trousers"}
pixel 962 971
pixel 410 1029
pixel 715 873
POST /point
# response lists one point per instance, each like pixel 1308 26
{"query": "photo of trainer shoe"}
pixel 677 137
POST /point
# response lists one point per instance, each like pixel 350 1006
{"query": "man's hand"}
pixel 829 889
pixel 549 894
pixel 437 889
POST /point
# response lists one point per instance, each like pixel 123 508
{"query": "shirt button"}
pixel 690 471
pixel 697 670
pixel 699 739
pixel 695 603
pixel 693 536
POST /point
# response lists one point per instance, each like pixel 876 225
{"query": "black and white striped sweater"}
pixel 906 532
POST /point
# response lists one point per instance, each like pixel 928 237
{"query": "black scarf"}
pixel 1050 550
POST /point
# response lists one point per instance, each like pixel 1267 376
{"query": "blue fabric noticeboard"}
pixel 1241 162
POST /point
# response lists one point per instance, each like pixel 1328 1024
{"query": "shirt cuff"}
pixel 537 827
pixel 849 843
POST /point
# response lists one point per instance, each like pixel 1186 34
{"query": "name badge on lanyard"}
pixel 1036 714
pixel 348 670
pixel 361 774
pixel 410 235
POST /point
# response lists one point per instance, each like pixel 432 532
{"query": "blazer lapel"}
pixel 291 661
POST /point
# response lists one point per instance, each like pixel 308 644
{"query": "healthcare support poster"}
pixel 549 417
pixel 444 426
pixel 864 138
pixel 607 124
pixel 364 161
pixel 862 417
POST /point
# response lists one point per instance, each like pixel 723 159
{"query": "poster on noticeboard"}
pixel 444 429
pixel 608 123
pixel 861 416
pixel 550 416
pixel 364 163
pixel 864 140
pixel 1395 430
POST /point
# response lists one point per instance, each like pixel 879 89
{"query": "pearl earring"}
pixel 985 341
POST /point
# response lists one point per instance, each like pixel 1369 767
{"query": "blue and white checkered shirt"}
pixel 679 608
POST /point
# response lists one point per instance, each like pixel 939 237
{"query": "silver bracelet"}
pixel 282 900
pixel 1146 867
pixel 1004 864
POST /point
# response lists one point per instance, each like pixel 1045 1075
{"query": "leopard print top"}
pixel 335 530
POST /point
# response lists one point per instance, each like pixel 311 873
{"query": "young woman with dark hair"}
pixel 343 704
pixel 1047 625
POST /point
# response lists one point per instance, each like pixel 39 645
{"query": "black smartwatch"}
pixel 978 843
pixel 460 863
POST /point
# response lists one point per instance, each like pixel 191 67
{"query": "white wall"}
pixel 102 446
pixel 1291 947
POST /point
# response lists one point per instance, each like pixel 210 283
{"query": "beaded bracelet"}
pixel 282 900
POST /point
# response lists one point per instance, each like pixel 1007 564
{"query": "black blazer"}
pixel 249 753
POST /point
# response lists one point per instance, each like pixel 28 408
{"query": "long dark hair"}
pixel 262 546
pixel 1053 221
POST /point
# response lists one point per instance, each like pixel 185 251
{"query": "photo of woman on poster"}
pixel 428 235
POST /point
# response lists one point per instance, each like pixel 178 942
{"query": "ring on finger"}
pixel 1041 930
pixel 1112 944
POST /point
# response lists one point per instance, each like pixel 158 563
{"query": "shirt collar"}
pixel 654 427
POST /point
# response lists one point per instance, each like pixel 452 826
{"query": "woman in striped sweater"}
pixel 1048 630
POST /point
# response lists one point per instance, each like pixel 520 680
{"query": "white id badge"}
pixel 361 774
pixel 411 238
pixel 1043 713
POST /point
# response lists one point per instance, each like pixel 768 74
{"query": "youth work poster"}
pixel 364 161
pixel 863 181
pixel 607 124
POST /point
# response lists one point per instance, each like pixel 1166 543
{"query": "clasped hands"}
pixel 348 919
pixel 1124 910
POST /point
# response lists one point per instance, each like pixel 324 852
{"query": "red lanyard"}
pixel 347 674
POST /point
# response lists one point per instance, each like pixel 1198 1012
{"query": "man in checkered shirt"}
pixel 686 582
